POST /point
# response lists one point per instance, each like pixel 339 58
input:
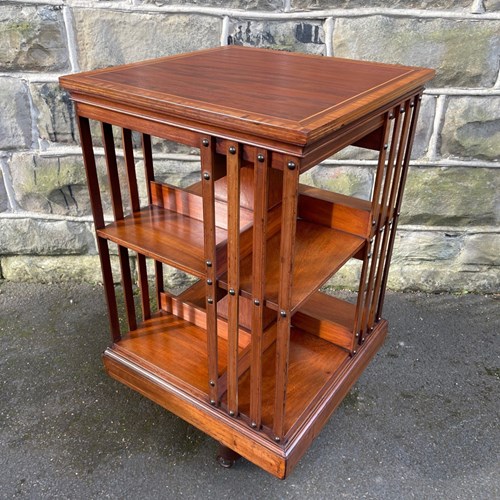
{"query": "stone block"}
pixel 481 249
pixel 463 51
pixel 55 113
pixel 346 278
pixel 15 114
pixel 107 38
pixel 170 147
pixel 349 180
pixel 442 277
pixel 56 185
pixel 294 36
pixel 266 5
pixel 471 128
pixel 452 196
pixel 32 38
pixel 45 237
pixel 437 261
pixel 492 5
pixel 395 4
pixel 175 281
pixel 52 269
pixel 432 246
pixel 181 173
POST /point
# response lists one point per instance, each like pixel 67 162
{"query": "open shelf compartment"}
pixel 173 349
pixel 319 252
pixel 165 236
pixel 313 364
pixel 329 318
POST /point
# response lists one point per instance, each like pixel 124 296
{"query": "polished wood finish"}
pixel 133 191
pixel 286 265
pixel 207 152
pixel 252 353
pixel 116 202
pixel 190 305
pixel 233 273
pixel 97 213
pixel 335 210
pixel 327 317
pixel 277 459
pixel 260 207
pixel 150 177
pixel 320 251
pixel 165 236
pixel 305 99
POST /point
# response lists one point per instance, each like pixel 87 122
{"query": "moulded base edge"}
pixel 275 458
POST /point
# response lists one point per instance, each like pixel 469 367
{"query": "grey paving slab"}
pixel 422 422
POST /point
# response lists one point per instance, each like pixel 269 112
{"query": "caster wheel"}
pixel 224 462
pixel 226 457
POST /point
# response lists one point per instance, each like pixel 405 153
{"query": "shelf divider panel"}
pixel 149 174
pixel 285 267
pixel 133 190
pixel 327 317
pixel 207 152
pixel 233 272
pixel 261 192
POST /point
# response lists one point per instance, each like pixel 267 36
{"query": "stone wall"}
pixel 448 237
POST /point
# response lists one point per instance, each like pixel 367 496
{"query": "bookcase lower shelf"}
pixel 144 361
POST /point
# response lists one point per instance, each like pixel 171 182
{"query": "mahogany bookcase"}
pixel 253 353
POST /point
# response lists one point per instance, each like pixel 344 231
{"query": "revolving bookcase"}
pixel 253 353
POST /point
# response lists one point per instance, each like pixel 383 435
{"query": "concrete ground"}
pixel 422 422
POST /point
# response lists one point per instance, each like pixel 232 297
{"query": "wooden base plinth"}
pixel 276 458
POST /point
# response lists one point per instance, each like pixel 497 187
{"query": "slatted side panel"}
pixel 398 145
pixel 366 279
pixel 233 272
pixel 360 303
pixel 133 191
pixel 207 152
pixel 396 198
pixel 399 130
pixel 116 201
pixel 97 212
pixel 147 153
pixel 287 245
pixel 261 191
pixel 384 177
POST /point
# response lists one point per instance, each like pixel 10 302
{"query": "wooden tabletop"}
pixel 292 97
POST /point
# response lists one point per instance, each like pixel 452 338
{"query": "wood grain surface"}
pixel 291 97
